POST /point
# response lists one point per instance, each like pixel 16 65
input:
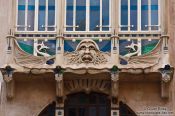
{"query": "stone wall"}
pixel 172 42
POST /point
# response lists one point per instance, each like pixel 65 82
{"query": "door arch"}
pixel 125 110
pixel 49 110
pixel 82 104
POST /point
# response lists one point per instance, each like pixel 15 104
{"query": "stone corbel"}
pixel 167 75
pixel 59 84
pixel 10 83
pixel 114 84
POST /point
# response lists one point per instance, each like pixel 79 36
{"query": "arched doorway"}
pixel 82 104
pixel 49 110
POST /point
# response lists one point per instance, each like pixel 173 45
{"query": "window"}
pixel 139 15
pixel 87 15
pixel 36 15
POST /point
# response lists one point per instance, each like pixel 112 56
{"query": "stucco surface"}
pixel 31 96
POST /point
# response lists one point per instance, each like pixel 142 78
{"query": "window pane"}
pixel 81 15
pixel 51 15
pixel 154 14
pixel 69 15
pixel 94 15
pixel 144 15
pixel 72 112
pixel 105 14
pixel 133 18
pixel 92 111
pixel 42 15
pixel 21 15
pixel 102 111
pixel 124 14
pixel 31 15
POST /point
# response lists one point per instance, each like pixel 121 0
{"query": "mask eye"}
pixel 82 47
pixel 91 48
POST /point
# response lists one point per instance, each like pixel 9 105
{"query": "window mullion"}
pixel 100 26
pixel 46 18
pixel 139 15
pixel 26 13
pixel 87 14
pixel 159 16
pixel 129 16
pixel 149 15
pixel 74 15
pixel 35 47
pixel 36 15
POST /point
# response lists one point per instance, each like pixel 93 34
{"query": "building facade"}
pixel 87 57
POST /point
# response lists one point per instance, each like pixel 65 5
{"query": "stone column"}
pixel 59 95
pixel 114 94
pixel 115 49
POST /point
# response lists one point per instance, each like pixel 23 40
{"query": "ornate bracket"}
pixel 59 83
pixel 8 78
pixel 167 74
pixel 114 84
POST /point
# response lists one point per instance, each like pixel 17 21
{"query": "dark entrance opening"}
pixel 125 110
pixel 82 104
pixel 49 110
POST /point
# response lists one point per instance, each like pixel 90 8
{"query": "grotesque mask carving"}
pixel 87 51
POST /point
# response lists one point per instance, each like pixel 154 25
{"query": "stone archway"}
pixel 49 110
pixel 92 104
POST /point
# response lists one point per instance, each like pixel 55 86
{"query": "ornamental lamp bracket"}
pixel 8 73
pixel 167 75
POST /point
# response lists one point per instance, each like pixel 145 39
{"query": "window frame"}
pixel 87 28
pixel 139 20
pixel 36 18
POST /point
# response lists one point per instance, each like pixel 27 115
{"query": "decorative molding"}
pixel 87 85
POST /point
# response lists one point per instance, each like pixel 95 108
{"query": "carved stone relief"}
pixel 87 52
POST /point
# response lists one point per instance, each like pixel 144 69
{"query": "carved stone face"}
pixel 87 51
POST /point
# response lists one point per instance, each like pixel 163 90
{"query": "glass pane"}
pixel 102 111
pixel 93 99
pixel 92 111
pixel 94 15
pixel 31 15
pixel 105 14
pixel 42 15
pixel 82 112
pixel 51 15
pixel 72 112
pixel 81 15
pixel 148 46
pixel 133 11
pixel 69 15
pixel 144 15
pixel 154 14
pixel 21 15
pixel 124 14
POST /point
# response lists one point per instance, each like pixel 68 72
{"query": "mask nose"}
pixel 87 50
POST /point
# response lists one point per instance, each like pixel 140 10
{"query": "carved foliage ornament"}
pixel 87 51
